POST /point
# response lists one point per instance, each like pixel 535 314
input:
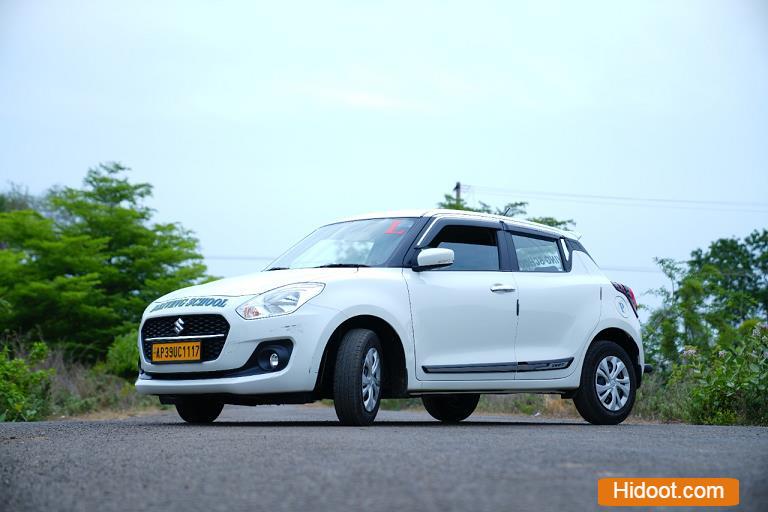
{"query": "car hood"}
pixel 253 284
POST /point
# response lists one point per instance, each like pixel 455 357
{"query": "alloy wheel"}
pixel 371 379
pixel 612 383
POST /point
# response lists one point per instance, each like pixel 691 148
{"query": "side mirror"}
pixel 433 258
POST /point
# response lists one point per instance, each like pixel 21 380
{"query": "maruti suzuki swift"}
pixel 443 305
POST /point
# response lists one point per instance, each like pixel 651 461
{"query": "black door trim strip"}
pixel 531 366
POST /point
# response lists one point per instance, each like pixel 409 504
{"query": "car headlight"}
pixel 280 301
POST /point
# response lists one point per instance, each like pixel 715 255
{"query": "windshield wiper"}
pixel 342 265
pixel 277 268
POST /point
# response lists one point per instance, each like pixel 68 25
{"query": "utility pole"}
pixel 457 190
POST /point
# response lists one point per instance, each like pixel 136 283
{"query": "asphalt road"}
pixel 297 458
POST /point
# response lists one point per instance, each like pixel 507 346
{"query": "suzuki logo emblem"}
pixel 178 326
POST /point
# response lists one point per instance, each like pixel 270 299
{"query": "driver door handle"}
pixel 502 288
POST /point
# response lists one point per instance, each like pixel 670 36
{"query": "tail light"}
pixel 628 293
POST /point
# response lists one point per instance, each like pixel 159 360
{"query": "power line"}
pixel 243 257
pixel 627 198
pixel 649 270
pixel 609 200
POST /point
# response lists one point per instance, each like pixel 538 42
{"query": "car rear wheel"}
pixel 357 378
pixel 608 385
pixel 199 410
pixel 450 408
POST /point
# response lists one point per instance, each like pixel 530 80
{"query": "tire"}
pixel 199 411
pixel 611 410
pixel 450 408
pixel 358 361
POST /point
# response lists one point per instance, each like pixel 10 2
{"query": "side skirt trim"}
pixel 232 399
pixel 531 366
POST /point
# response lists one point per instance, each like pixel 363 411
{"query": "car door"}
pixel 559 306
pixel 464 315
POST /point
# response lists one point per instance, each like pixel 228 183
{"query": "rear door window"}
pixel 537 254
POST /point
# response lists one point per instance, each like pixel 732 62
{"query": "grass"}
pixel 77 390
pixel 658 400
pixel 527 404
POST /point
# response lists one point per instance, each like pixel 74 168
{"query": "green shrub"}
pixel 24 392
pixel 717 387
pixel 730 386
pixel 123 355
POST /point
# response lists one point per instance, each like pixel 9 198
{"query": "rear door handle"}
pixel 502 288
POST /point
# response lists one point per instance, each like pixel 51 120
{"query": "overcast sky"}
pixel 258 121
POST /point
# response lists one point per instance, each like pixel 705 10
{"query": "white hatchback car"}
pixel 444 305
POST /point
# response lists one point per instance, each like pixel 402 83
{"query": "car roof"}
pixel 465 214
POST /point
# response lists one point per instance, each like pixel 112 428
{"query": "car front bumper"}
pixel 306 330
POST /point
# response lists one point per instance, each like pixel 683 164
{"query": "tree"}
pixel 515 209
pixel 85 265
pixel 718 296
pixel 17 198
pixel 738 271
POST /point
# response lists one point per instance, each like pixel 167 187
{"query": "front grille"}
pixel 194 325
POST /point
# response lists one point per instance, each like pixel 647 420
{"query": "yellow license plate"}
pixel 176 352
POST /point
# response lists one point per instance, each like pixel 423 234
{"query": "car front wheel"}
pixel 608 385
pixel 357 378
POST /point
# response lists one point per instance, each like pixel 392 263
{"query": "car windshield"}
pixel 359 243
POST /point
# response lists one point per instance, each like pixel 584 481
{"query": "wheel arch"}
pixel 395 382
pixel 625 341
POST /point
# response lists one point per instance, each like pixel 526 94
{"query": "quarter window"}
pixel 474 248
pixel 537 254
